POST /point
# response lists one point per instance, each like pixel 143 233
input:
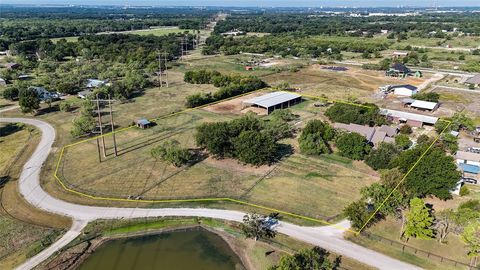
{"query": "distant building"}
pixel 43 94
pixel 3 82
pixel 412 119
pixel 143 123
pixel 398 70
pixel 84 94
pixel 397 54
pixel 234 32
pixel 475 81
pixel 25 77
pixel 405 90
pixel 273 101
pixel 12 65
pixel 468 162
pixel 94 83
pixel 420 105
pixel 374 135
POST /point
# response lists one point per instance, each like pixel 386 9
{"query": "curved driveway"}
pixel 327 237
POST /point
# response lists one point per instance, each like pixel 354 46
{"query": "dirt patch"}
pixel 234 165
pixel 235 106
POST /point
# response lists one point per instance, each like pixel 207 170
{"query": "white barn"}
pixel 406 90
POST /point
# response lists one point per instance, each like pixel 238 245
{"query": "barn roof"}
pixel 474 80
pixel 409 116
pixel 424 104
pixel 272 99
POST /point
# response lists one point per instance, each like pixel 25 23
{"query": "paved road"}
pixel 328 237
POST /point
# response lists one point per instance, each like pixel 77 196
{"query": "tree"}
pixel 172 152
pixel 436 174
pixel 352 145
pixel 406 129
pixel 403 141
pixel 382 156
pixel 28 100
pixel 65 106
pixel 314 138
pixel 10 93
pixel 257 226
pixel 215 137
pixel 312 259
pixel 427 96
pixel 362 114
pixel 471 237
pixel 419 221
pixel 376 195
pixel 357 213
pixel 82 125
pixel 255 148
pixel 450 142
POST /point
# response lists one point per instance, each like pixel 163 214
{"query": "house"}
pixel 374 135
pixel 398 70
pixel 44 95
pixel 25 77
pixel 412 119
pixel 424 105
pixel 475 81
pixel 7 52
pixel 143 123
pixel 12 65
pixel 273 101
pixel 398 54
pixel 94 83
pixel 234 32
pixel 468 162
pixel 3 82
pixel 405 90
pixel 84 94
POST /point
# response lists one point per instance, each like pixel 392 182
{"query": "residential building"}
pixel 405 90
pixel 94 83
pixel 84 94
pixel 475 81
pixel 412 119
pixel 3 82
pixel 468 162
pixel 374 135
pixel 398 70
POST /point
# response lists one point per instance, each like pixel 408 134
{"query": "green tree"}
pixel 256 226
pixel 403 141
pixel 471 237
pixel 406 129
pixel 172 152
pixel 450 142
pixel 382 156
pixel 357 213
pixel 419 221
pixel 313 144
pixel 28 100
pixel 82 125
pixel 10 93
pixel 427 96
pixel 436 174
pixel 352 145
pixel 255 148
pixel 312 259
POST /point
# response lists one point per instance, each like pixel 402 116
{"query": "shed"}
pixel 273 101
pixel 399 54
pixel 412 119
pixel 143 123
pixel 406 90
pixel 84 94
pixel 2 82
pixel 424 105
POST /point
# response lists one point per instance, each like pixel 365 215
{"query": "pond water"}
pixel 178 250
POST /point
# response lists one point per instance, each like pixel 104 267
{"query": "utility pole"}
pixel 112 125
pixel 162 67
pixel 100 124
pixel 166 67
pixel 160 80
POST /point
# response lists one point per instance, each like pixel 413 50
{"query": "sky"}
pixel 277 3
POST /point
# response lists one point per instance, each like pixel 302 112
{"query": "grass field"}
pixel 22 227
pixel 390 229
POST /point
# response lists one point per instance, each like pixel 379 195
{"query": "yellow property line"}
pixel 226 199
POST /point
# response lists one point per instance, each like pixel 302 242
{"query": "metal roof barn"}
pixel 275 100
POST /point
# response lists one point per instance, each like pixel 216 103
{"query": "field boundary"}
pixel 227 199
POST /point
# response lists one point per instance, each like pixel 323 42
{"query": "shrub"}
pixel 172 152
pixel 406 129
pixel 65 106
pixel 352 145
pixel 464 191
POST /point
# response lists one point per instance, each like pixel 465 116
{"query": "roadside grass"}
pixel 24 230
pixel 390 228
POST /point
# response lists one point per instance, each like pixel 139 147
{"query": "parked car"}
pixel 469 180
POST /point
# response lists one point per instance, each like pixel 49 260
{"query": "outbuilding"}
pixel 3 82
pixel 412 119
pixel 273 101
pixel 143 123
pixel 405 90
pixel 424 105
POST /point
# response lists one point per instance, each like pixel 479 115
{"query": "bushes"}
pixel 28 100
pixel 429 96
pixel 363 114
pixel 10 93
pixel 230 85
pixel 381 157
pixel 254 147
pixel 172 152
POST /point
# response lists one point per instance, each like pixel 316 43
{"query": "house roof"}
pixel 94 83
pixel 400 67
pixel 375 135
pixel 366 131
pixel 409 116
pixel 424 104
pixel 143 121
pixel 85 93
pixel 272 99
pixel 469 168
pixel 470 156
pixel 474 80
pixel 408 86
pixel 390 131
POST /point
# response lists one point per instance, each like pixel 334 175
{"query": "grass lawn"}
pixel 454 248
pixel 22 227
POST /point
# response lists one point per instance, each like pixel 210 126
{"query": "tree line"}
pixel 230 85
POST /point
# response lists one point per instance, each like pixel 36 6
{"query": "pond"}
pixel 177 250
